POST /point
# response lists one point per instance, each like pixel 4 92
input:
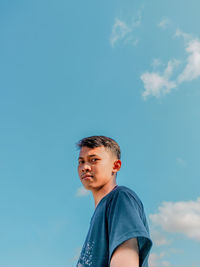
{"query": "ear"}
pixel 116 165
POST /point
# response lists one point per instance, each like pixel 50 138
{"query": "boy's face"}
pixel 96 166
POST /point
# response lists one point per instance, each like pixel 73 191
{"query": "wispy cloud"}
pixel 179 217
pixel 119 31
pixel 156 260
pixel 185 35
pixel 157 84
pixel 164 23
pixel 158 238
pixel 192 68
pixel 123 31
pixel 82 192
pixel 131 40
pixel 156 63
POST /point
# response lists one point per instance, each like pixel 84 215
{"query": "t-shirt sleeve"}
pixel 126 220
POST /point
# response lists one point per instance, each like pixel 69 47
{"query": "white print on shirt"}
pixel 86 255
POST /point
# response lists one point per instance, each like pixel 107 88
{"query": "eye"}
pixel 80 161
pixel 93 160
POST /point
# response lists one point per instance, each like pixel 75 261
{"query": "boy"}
pixel 118 235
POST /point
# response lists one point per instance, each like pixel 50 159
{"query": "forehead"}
pixel 98 151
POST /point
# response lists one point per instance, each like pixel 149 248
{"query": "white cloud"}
pixel 119 31
pixel 131 40
pixel 180 33
pixel 123 31
pixel 156 84
pixel 156 260
pixel 192 68
pixel 81 192
pixel 158 238
pixel 170 67
pixel 156 63
pixel 164 23
pixel 179 217
pixel 176 251
pixel 137 21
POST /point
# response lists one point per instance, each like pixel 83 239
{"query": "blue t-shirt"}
pixel 118 217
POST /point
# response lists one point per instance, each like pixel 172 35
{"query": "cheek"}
pixel 106 169
pixel 110 169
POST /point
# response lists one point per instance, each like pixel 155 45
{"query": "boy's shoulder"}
pixel 125 189
pixel 122 192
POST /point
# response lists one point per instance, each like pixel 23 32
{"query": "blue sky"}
pixel 126 69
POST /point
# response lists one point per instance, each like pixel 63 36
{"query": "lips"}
pixel 86 176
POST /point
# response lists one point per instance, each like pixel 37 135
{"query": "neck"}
pixel 102 192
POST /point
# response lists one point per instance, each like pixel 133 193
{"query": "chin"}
pixel 87 187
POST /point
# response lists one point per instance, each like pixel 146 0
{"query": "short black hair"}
pixel 100 140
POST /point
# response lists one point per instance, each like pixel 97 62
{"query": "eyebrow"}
pixel 89 156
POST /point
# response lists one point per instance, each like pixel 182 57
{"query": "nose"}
pixel 86 167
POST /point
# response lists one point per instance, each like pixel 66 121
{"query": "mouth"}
pixel 86 176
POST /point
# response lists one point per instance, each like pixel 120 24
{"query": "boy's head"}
pixel 99 140
pixel 99 161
